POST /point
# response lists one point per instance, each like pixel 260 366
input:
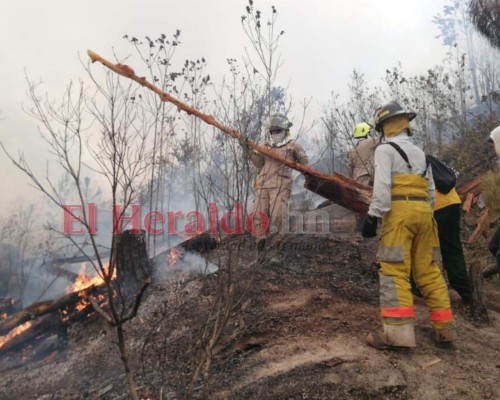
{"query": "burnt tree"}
pixel 132 264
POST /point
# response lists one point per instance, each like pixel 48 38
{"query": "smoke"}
pixel 185 265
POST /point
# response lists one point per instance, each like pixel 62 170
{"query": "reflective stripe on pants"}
pixel 409 244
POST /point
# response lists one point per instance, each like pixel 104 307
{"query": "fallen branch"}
pixel 469 199
pixel 45 307
pixel 480 225
pixel 342 190
pixel 42 325
pixel 473 186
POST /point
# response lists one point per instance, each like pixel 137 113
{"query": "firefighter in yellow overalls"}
pixel 403 196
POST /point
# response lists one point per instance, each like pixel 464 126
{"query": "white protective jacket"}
pixel 389 162
pixel 495 136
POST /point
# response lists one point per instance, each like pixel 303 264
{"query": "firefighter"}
pixel 448 213
pixel 273 183
pixel 494 244
pixel 360 160
pixel 403 196
pixel 494 139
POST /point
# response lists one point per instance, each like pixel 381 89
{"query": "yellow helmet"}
pixel 361 130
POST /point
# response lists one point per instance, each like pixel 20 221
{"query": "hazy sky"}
pixel 324 41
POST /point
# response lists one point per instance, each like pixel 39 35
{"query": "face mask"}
pixel 278 137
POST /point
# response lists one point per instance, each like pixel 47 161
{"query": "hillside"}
pixel 294 331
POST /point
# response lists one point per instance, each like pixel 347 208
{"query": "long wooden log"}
pixel 40 326
pixel 336 187
pixel 340 190
pixel 44 307
pixel 480 225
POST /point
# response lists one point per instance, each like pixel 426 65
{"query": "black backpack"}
pixel 445 178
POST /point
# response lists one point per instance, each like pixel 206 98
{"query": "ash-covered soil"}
pixel 256 330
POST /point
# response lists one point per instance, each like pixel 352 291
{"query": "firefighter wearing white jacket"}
pixel 494 244
pixel 403 196
pixel 495 140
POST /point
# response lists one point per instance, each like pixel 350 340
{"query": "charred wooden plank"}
pixel 45 307
pixel 41 326
pixel 201 243
pixel 342 190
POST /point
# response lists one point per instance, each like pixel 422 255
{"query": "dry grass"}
pixel 491 193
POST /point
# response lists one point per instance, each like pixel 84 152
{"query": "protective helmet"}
pixel 495 138
pixel 279 121
pixel 388 111
pixel 361 130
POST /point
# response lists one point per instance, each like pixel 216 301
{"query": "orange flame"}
pixel 14 332
pixel 84 281
pixel 173 256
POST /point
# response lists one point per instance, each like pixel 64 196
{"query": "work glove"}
pixel 369 227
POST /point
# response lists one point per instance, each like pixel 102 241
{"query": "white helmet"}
pixel 279 121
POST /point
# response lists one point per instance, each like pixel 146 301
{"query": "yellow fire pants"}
pixel 409 244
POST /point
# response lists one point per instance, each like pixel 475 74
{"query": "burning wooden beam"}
pixel 27 332
pixel 133 270
pixel 45 307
